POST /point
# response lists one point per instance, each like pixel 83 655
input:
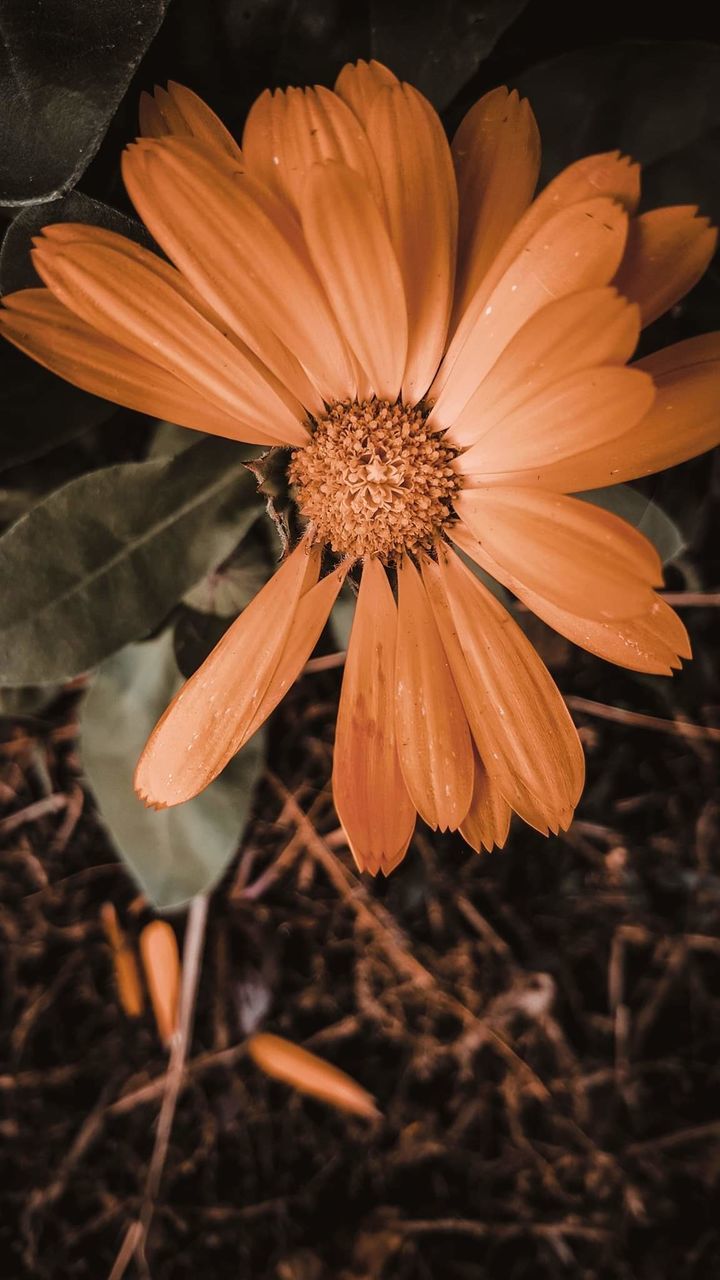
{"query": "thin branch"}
pixel 638 720
pixel 136 1236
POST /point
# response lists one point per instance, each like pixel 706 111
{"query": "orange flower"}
pixel 445 358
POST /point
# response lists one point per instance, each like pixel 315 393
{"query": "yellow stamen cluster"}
pixel 375 480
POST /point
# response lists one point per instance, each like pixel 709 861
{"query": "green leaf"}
pixel 641 512
pixel 172 853
pixel 226 590
pixel 101 561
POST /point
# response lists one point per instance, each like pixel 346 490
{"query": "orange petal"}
pixel 421 197
pixel 359 83
pixel 522 728
pixel 575 333
pixel 487 822
pixel 351 249
pixel 593 405
pixel 127 974
pixel 286 1061
pixel 667 252
pixel 242 249
pixel 208 720
pixel 370 795
pixel 610 175
pixel 497 160
pixel 683 421
pixel 286 133
pixel 312 613
pixel 161 962
pixel 434 744
pixel 131 297
pixel 653 641
pixel 37 322
pixel 577 556
pixel 177 110
pixel 578 248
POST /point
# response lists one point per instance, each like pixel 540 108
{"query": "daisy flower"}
pixel 443 359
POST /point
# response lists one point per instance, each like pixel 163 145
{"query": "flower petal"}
pixel 653 642
pixel 610 175
pixel 434 744
pixel 131 296
pixel 37 322
pixel 667 252
pixel 359 83
pixel 592 405
pixel 521 726
pixel 370 795
pixel 354 258
pixel 207 722
pixel 578 556
pixel 487 822
pixel 177 110
pixel 242 249
pixel 497 160
pixel 286 133
pixel 421 197
pixel 310 617
pixel 578 248
pixel 575 333
pixel 683 421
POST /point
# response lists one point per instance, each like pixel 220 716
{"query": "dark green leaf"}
pixel 16 269
pixel 656 101
pixel 101 561
pixel 39 411
pixel 64 66
pixel 438 47
pixel 173 853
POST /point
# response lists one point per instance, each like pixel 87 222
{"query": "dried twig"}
pixel 638 720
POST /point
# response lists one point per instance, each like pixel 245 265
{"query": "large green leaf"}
pixel 173 853
pixel 102 560
pixel 641 512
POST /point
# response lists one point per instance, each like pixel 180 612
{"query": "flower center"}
pixel 375 480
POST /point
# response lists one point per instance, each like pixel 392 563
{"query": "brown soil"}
pixel 541 1027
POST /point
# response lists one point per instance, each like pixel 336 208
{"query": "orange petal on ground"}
pixel 592 405
pixel 433 738
pixel 654 641
pixel 37 322
pixel 578 248
pixel 129 297
pixel 683 421
pixel 496 151
pixel 521 726
pixel 161 962
pixel 667 252
pixel 242 249
pixel 286 133
pixel 207 721
pixel 359 83
pixel 577 556
pixel 177 110
pixel 421 197
pixel 355 260
pixel 575 333
pixel 310 617
pixel 370 795
pixel 309 1074
pixel 487 822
